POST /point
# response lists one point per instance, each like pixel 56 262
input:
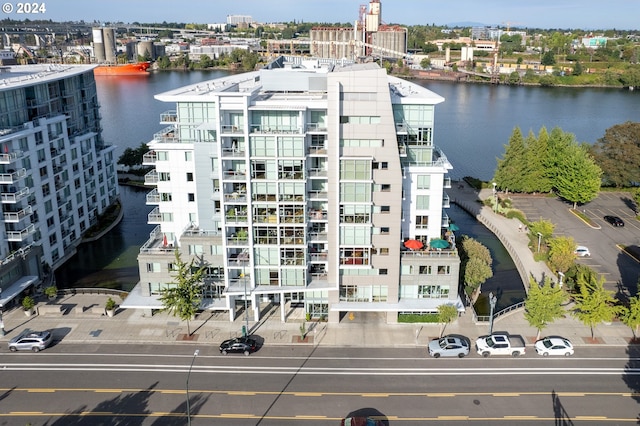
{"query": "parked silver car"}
pixel 449 346
pixel 31 341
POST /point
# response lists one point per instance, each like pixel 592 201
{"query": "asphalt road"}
pixel 145 385
pixel 621 272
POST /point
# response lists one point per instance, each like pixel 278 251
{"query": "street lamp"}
pixel 492 303
pixel 246 314
pixel 539 239
pixel 195 354
pixel 2 333
pixel 495 198
pixel 561 277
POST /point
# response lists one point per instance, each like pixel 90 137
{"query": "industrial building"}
pixel 57 174
pixel 309 184
pixel 369 37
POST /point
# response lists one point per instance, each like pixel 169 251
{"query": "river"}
pixel 472 127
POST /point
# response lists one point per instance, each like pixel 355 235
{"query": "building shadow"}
pixel 630 375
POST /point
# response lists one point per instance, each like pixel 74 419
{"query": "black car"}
pixel 614 220
pixel 246 345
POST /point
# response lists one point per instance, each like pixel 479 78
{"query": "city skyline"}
pixel 548 14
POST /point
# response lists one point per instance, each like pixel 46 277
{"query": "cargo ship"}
pixel 138 68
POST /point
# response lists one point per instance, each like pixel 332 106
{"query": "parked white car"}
pixel 582 251
pixel 554 346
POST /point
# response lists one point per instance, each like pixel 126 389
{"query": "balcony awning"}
pixel 10 293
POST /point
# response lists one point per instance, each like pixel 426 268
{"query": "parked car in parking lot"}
pixel 614 220
pixel 582 251
pixel 244 345
pixel 449 346
pixel 31 341
pixel 554 346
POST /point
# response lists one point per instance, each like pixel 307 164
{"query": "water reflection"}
pixel 112 260
pixel 505 284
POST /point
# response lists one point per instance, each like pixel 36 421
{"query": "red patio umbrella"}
pixel 413 244
pixel 164 241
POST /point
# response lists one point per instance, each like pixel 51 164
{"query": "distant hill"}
pixel 467 24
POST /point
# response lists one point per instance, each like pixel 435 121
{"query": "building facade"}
pixel 298 185
pixel 57 175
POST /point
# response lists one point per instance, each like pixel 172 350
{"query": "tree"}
pixel 425 63
pixel 182 297
pixel 561 253
pixel 476 266
pixel 538 179
pixel 593 304
pixel 630 315
pixel 512 165
pixel 548 58
pixel 133 157
pixel 578 176
pixel 577 69
pixel 446 314
pixel 618 154
pixel 543 304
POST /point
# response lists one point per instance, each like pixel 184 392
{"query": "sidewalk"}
pixel 131 326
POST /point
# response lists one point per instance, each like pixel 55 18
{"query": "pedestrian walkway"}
pixel 130 326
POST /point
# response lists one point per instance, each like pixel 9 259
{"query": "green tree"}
pixel 593 304
pixel 548 58
pixel 577 69
pixel 578 176
pixel 543 304
pixel 512 165
pixel 476 266
pixel 618 154
pixel 425 63
pixel 514 78
pixel 182 298
pixel 561 253
pixel 446 314
pixel 132 157
pixel 630 315
pixel 538 179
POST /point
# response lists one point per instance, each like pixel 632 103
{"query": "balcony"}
pixel 151 178
pixel 446 201
pixel 446 183
pixel 154 216
pixel 166 135
pixel 318 195
pixel 317 215
pixel 231 129
pixel 317 173
pixel 168 117
pixel 234 175
pixel 316 128
pixel 287 130
pixel 15 217
pixel 10 157
pixel 15 196
pixel 153 197
pixel 13 177
pixel 20 235
pixel 149 158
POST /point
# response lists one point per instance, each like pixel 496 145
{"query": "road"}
pixel 145 385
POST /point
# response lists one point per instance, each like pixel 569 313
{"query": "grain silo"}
pixel 98 45
pixel 109 37
pixel 145 49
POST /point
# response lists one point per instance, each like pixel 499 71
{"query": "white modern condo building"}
pixel 57 175
pixel 298 185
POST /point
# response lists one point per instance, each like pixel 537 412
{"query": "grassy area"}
pixel 418 318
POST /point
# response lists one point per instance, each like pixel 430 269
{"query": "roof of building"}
pixel 272 81
pixel 15 76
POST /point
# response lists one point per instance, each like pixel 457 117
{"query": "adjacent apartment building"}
pixel 57 175
pixel 301 185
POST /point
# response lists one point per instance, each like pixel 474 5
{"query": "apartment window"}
pixel 385 187
pixel 153 267
pixel 164 176
pixel 444 270
pixel 45 190
pixel 384 230
pixel 424 181
pixel 191 197
pixel 422 222
pixel 189 177
pixel 422 202
pixel 385 209
pixel 433 291
pixel 195 249
pixel 43 171
pixel 188 156
pixel 383 251
pixel 425 270
pixel 383 271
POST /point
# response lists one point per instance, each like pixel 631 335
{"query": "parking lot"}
pixel 621 272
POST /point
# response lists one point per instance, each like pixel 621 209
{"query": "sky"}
pixel 547 14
